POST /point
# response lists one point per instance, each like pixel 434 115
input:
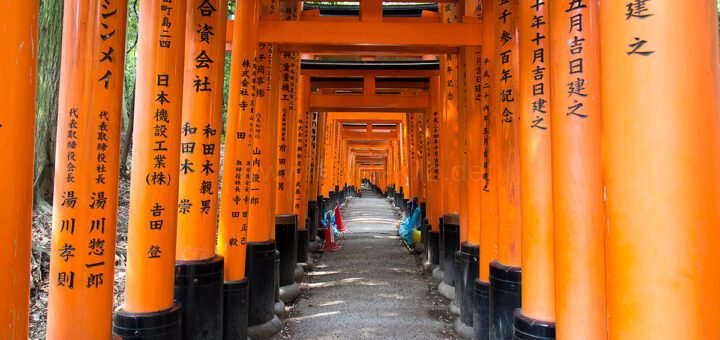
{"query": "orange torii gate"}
pixel 520 93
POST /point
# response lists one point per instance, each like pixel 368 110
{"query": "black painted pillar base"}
pixel 235 309
pixel 441 244
pixel 199 288
pixel 279 306
pixel 260 271
pixel 470 271
pixel 481 312
pixel 423 239
pixel 286 244
pixel 312 215
pixel 455 304
pixel 160 325
pixel 433 245
pixel 527 328
pixel 505 296
pixel 303 243
pixel 450 244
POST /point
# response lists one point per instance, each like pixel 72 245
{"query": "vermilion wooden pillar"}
pixel 661 160
pixel 491 131
pixel 403 157
pixel 450 166
pixel 289 152
pixel 302 165
pixel 17 123
pixel 154 189
pixel 324 132
pixel 506 84
pixel 261 268
pixel 287 124
pixel 286 222
pixel 434 185
pixel 262 178
pixel 326 155
pixel 488 196
pixel 470 140
pixel 576 168
pixel 505 298
pixel 82 255
pixel 201 131
pixel 312 197
pixel 237 167
pixel 538 299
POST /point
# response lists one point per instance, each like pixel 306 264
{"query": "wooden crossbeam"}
pixel 368 103
pixel 368 73
pixel 370 160
pixel 368 136
pixel 315 36
pixel 369 33
pixel 370 145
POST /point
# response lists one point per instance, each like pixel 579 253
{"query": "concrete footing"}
pixel 299 273
pixel 289 293
pixel 279 309
pixel 265 330
pixel 447 291
pixel 437 275
pixel 429 266
pixel 315 244
pixel 307 266
pixel 462 330
pixel 454 307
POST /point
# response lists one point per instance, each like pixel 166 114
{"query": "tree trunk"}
pixel 48 83
pixel 127 139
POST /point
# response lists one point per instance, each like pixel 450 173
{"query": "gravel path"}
pixel 372 288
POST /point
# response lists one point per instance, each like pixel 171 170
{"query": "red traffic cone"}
pixel 338 220
pixel 330 244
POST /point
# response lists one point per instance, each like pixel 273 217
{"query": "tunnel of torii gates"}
pixel 570 145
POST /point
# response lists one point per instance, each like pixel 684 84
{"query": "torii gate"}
pixel 599 158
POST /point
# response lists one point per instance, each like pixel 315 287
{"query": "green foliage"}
pixel 226 87
pixel 130 56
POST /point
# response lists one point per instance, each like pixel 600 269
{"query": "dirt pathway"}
pixel 372 288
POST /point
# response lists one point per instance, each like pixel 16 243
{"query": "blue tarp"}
pixel 408 225
pixel 331 215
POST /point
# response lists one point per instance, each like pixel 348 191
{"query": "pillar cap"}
pixel 286 219
pixel 451 219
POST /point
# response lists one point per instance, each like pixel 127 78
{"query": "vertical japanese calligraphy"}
pixel 303 164
pixel 576 169
pixel 659 64
pixel 86 170
pixel 156 153
pixel 262 179
pixel 538 300
pixel 234 203
pixel 449 164
pixel 434 152
pixel 288 125
pixel 476 139
pixel 491 129
pixel 506 99
pixel 201 130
